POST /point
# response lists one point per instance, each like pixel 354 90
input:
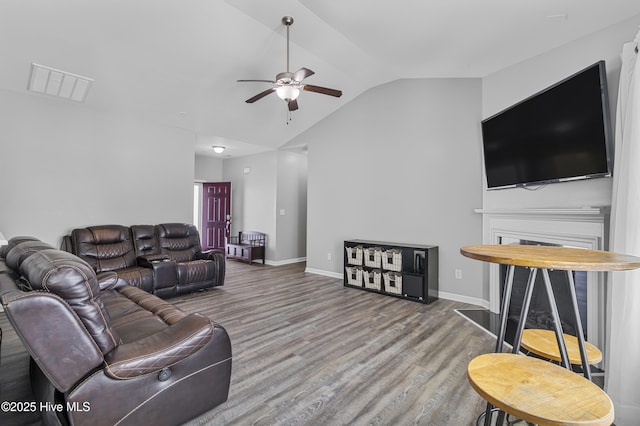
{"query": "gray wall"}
pixel 208 169
pixel 291 199
pixel 401 163
pixel 253 194
pixel 63 165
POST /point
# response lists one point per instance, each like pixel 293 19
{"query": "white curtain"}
pixel 623 307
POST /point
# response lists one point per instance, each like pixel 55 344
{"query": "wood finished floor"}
pixel 308 351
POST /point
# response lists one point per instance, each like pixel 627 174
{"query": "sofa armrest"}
pixel 54 336
pixel 160 350
pixel 218 258
pixel 110 280
pixel 214 255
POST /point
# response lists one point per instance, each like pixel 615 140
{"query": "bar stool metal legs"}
pixel 579 332
pixel 504 314
pixel 506 301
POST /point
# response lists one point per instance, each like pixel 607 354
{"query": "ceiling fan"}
pixel 288 85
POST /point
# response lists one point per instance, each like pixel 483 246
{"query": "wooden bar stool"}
pixel 538 391
pixel 543 343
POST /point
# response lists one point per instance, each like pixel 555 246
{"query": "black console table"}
pixel 399 270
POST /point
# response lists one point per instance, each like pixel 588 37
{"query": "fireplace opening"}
pixel 539 315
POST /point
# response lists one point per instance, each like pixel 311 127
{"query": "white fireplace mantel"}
pixel 588 214
pixel 583 227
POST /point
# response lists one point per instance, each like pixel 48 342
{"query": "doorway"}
pixel 216 214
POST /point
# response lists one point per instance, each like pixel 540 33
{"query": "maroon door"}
pixel 216 214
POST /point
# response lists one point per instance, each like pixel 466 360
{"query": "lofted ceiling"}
pixel 176 62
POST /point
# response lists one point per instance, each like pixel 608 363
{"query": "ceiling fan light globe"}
pixel 288 93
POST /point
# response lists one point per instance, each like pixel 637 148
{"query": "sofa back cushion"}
pixel 145 240
pixel 20 248
pixel 105 248
pixel 12 243
pixel 73 280
pixel 179 241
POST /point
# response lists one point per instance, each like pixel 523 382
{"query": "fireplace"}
pixel 539 314
pixel 582 228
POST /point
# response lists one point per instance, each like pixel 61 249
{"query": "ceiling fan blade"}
pixel 260 95
pixel 261 81
pixel 302 73
pixel 293 105
pixel 323 90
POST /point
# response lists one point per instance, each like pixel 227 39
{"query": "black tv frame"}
pixel 606 123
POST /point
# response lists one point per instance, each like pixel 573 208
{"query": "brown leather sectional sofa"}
pixel 165 260
pixel 105 352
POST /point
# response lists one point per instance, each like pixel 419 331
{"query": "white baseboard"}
pixel 324 273
pixel 285 262
pixel 464 299
pixel 441 294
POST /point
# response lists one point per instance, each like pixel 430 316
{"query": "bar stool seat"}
pixel 543 343
pixel 538 391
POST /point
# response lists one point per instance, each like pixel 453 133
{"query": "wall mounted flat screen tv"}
pixel 559 134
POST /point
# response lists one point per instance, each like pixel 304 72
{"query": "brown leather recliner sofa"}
pixel 164 259
pixel 106 352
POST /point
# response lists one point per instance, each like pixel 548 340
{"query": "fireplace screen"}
pixel 539 315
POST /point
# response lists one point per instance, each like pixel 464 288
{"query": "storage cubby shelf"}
pixel 398 270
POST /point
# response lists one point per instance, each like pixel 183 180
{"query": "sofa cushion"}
pixel 20 248
pixel 73 280
pixel 12 243
pixel 16 251
pixel 180 241
pixel 105 248
pixel 135 313
pixel 137 276
pixel 145 240
pixel 155 334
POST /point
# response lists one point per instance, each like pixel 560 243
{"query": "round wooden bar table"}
pixel 552 257
pixel 543 259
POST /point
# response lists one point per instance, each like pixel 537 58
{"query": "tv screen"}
pixel 561 133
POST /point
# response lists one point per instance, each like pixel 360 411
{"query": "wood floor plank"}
pixel 308 351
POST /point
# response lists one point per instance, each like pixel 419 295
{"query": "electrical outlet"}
pixel 458 273
pixel 328 256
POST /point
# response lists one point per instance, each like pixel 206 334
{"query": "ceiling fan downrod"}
pixel 288 21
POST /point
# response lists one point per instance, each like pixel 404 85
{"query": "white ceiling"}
pixel 176 62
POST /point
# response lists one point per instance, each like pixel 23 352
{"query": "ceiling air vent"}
pixel 58 83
